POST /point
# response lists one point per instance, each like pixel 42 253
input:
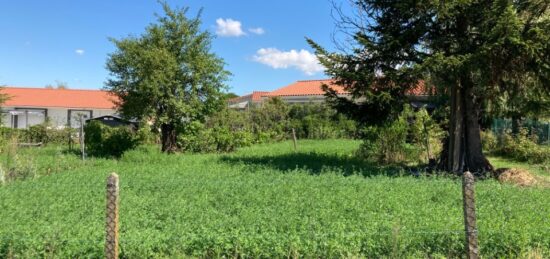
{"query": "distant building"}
pixel 307 91
pixel 31 106
pixel 246 101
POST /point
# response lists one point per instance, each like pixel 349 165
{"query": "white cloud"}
pixel 303 60
pixel 258 31
pixel 79 52
pixel 229 28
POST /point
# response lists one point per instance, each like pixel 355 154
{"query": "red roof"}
pixel 307 87
pixel 255 96
pixel 420 89
pixel 313 87
pixel 63 98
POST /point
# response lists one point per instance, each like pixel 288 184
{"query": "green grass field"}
pixel 262 201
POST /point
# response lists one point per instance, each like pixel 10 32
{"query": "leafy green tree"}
pixel 474 51
pixel 230 95
pixel 59 85
pixel 3 98
pixel 519 104
pixel 168 74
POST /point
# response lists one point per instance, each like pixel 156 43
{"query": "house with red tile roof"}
pixel 247 101
pixel 306 91
pixel 31 106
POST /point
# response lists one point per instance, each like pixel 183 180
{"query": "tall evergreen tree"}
pixel 474 51
pixel 168 74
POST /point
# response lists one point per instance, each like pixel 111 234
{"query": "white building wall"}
pixel 58 116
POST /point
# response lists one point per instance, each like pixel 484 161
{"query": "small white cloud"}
pixel 79 52
pixel 302 60
pixel 258 31
pixel 229 28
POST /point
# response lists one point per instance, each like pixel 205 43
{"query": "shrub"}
pixel 386 143
pixel 522 147
pixel 270 119
pixel 273 121
pixel 425 133
pixel 406 139
pixel 319 121
pixel 108 141
pixel 146 135
pixel 43 133
pixel 223 137
pixel 14 168
pixel 489 141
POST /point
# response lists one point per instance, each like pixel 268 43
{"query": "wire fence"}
pixel 539 128
pixel 113 242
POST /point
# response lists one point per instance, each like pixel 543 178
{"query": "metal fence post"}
pixel 470 227
pixel 111 226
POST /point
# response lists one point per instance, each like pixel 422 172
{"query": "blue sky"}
pixel 262 42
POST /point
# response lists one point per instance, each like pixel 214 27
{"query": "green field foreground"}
pixel 262 201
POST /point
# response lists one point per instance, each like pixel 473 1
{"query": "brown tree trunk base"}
pixel 168 138
pixel 462 150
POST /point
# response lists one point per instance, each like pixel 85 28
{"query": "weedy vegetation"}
pixel 261 201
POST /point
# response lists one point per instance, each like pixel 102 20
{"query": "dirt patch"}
pixel 515 176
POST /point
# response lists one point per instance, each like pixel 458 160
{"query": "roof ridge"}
pixel 315 80
pixel 52 89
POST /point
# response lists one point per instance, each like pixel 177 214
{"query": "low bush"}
pixel 223 132
pixel 146 135
pixel 413 137
pixel 13 167
pixel 522 147
pixel 319 121
pixel 489 141
pixel 102 140
pixel 43 133
pixel 270 122
pixel 386 143
pixel 273 121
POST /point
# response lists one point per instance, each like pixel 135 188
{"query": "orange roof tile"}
pixel 420 89
pixel 255 96
pixel 313 87
pixel 307 87
pixel 62 98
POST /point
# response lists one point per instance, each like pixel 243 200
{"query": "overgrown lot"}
pixel 262 201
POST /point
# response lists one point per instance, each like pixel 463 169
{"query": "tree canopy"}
pixel 475 52
pixel 168 74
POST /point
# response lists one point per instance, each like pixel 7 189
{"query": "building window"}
pixel 76 117
pixel 24 117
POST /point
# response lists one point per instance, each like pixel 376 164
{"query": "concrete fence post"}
pixel 111 226
pixel 294 138
pixel 472 250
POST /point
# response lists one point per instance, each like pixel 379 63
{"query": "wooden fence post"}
pixel 294 138
pixel 470 227
pixel 82 140
pixel 111 226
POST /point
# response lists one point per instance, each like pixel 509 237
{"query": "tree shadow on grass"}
pixel 318 163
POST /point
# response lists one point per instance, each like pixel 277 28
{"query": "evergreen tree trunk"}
pixel 168 138
pixel 463 151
